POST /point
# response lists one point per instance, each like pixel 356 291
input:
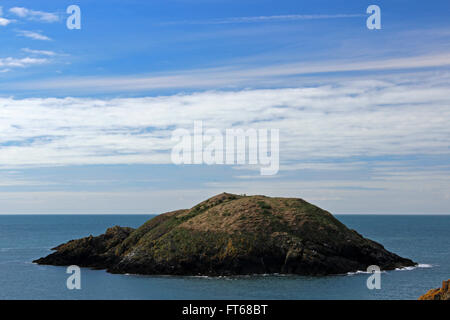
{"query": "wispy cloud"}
pixel 33 35
pixel 34 15
pixel 234 76
pixel 334 120
pixel 262 19
pixel 3 21
pixel 39 52
pixel 20 62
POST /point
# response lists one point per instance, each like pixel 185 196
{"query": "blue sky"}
pixel 86 115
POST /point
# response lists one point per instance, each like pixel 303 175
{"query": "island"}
pixel 231 234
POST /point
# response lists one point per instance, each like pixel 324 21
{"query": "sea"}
pixel 23 238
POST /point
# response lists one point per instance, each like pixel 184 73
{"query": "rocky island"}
pixel 231 235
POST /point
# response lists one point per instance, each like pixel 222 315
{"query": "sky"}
pixel 86 115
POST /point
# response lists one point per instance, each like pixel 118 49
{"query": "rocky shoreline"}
pixel 439 293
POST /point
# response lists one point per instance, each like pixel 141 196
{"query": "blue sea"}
pixel 23 238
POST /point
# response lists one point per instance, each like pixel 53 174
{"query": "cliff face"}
pixel 230 234
pixel 439 293
pixel 95 252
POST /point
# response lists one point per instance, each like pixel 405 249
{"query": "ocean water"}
pixel 425 239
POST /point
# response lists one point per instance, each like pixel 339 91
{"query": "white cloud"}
pixel 33 35
pixel 34 15
pixel 20 62
pixel 39 52
pixel 275 75
pixel 3 21
pixel 337 120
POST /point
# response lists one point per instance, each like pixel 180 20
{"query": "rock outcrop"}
pixel 439 293
pixel 229 235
